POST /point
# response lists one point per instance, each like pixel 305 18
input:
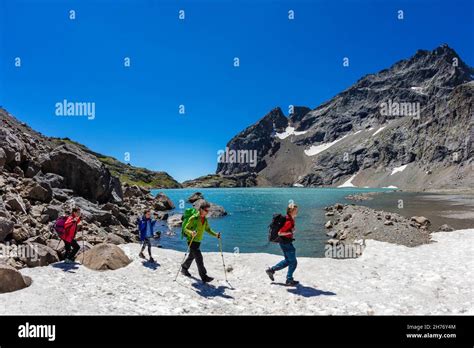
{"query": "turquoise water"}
pixel 250 211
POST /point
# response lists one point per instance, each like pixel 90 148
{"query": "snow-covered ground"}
pixel 435 278
pixel 348 183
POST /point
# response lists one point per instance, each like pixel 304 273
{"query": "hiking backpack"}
pixel 277 223
pixel 59 225
pixel 188 213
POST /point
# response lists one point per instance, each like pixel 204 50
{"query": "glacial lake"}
pixel 250 210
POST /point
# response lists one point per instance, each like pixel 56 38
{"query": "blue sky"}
pixel 190 62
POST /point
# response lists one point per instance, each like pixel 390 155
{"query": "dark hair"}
pixel 146 211
pixel 291 208
pixel 75 210
pixel 204 205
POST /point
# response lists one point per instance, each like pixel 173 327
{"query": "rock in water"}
pixel 162 202
pixel 195 196
pixel 175 220
pixel 104 257
pixel 214 210
pixel 12 280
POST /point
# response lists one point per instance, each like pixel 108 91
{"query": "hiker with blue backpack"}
pixel 194 225
pixel 281 231
pixel 146 227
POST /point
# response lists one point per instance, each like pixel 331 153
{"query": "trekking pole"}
pixel 222 255
pixel 184 258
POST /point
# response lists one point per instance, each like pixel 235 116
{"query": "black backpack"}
pixel 277 223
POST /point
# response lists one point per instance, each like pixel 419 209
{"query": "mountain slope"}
pixel 408 126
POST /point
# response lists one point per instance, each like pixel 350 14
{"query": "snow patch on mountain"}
pixel 289 131
pixel 399 169
pixel 349 183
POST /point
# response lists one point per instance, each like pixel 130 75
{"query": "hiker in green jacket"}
pixel 194 231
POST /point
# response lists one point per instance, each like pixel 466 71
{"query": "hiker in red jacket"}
pixel 70 229
pixel 286 244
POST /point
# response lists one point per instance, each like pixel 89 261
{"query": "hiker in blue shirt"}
pixel 146 226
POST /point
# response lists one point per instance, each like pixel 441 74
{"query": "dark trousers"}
pixel 195 254
pixel 146 242
pixel 71 249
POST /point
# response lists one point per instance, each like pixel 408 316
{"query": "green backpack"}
pixel 188 213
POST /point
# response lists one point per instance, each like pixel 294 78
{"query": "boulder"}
pixel 328 224
pixel 90 211
pixel 62 195
pixel 54 180
pixel 3 158
pixel 3 210
pixel 39 255
pixel 446 228
pixel 39 192
pixel 6 228
pixel 162 202
pixel 32 168
pixel 14 148
pixel 15 203
pixel 346 217
pixel 22 233
pixel 53 211
pixel 161 215
pixel 58 246
pixel 175 220
pixel 83 173
pixel 214 210
pixel 114 239
pixel 195 196
pixel 132 191
pixel 420 220
pixel 104 257
pixel 12 280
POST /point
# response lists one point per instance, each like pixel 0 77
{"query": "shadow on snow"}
pixel 306 291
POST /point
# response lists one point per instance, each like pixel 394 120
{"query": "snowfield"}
pixel 435 278
pixel 398 169
pixel 348 183
pixel 315 149
pixel 289 131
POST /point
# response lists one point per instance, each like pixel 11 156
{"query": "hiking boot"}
pixel 152 259
pixel 291 282
pixel 270 274
pixel 141 255
pixel 68 261
pixel 207 279
pixel 185 272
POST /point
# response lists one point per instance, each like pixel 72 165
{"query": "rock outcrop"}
pixel 42 178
